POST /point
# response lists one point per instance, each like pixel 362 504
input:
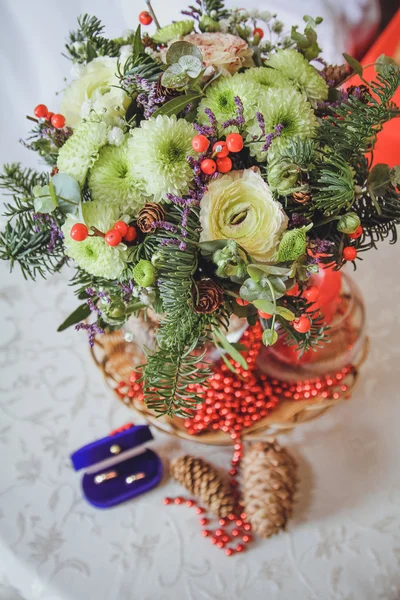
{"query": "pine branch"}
pixel 334 188
pixel 351 131
pixel 315 338
pixel 16 181
pixel 88 42
pixel 172 367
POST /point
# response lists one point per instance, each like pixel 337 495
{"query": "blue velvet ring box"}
pixel 118 468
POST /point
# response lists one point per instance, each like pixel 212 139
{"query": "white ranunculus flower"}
pixel 240 206
pixel 95 91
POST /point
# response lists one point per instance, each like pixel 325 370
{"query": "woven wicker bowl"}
pixel 116 358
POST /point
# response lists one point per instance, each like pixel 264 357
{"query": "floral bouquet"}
pixel 203 171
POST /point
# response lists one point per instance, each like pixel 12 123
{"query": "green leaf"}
pixel 81 313
pixel 67 191
pixel 265 306
pixel 378 183
pixel 138 44
pixel 228 364
pixel 43 203
pixel 278 285
pixel 179 49
pixel 269 337
pixel 176 105
pixel 191 65
pixel 285 313
pixel 174 77
pixel 229 349
pixel 256 271
pixel 354 64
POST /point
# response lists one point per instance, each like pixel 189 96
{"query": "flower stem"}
pixel 153 14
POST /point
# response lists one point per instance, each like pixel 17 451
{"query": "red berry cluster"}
pixel 41 112
pixel 220 537
pixel 220 160
pixel 120 232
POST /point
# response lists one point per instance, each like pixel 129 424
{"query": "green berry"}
pixel 144 273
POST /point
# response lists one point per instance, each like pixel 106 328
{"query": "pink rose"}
pixel 222 51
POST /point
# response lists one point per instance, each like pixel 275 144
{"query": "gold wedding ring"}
pixel 105 476
pixel 135 477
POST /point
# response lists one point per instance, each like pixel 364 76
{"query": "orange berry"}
pixel 259 32
pixel 131 234
pixel 234 141
pixel 145 18
pixel 357 233
pixel 312 293
pixel 293 291
pixel 200 143
pixel 264 315
pixel 113 237
pixel 208 166
pixel 221 149
pixel 302 324
pixel 241 302
pixel 122 227
pixel 79 232
pixel 40 111
pixel 58 121
pixel 349 253
pixel 224 165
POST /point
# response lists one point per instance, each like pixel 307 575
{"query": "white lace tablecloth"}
pixel 344 540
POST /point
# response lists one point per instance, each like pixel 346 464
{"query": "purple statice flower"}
pixel 127 290
pixel 164 225
pixel 169 242
pixel 261 123
pixel 92 329
pixel 321 246
pixel 297 220
pixel 183 202
pixel 55 231
pixel 239 120
pixel 185 217
pixel 187 109
pixel 271 136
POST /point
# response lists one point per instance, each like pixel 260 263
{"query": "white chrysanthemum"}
pixel 304 76
pixel 116 136
pixel 220 98
pixel 112 180
pixel 158 152
pixel 81 150
pixel 96 91
pixel 125 52
pixel 93 254
pixel 240 206
pixel 287 107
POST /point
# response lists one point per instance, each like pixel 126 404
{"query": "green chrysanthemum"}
pixel 81 150
pixel 220 98
pixel 286 107
pixel 292 65
pixel 93 254
pixel 144 273
pixel 113 180
pixel 268 78
pixel 158 152
pixel 173 31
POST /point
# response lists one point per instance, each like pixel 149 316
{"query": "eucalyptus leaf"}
pixel 176 105
pixel 285 313
pixel 174 77
pixel 191 65
pixel 354 64
pixel 44 204
pixel 208 248
pixel 379 179
pixel 266 306
pixel 269 337
pixel 278 285
pixel 81 313
pixel 253 290
pixel 255 271
pixel 179 49
pixel 67 191
pixel 229 349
